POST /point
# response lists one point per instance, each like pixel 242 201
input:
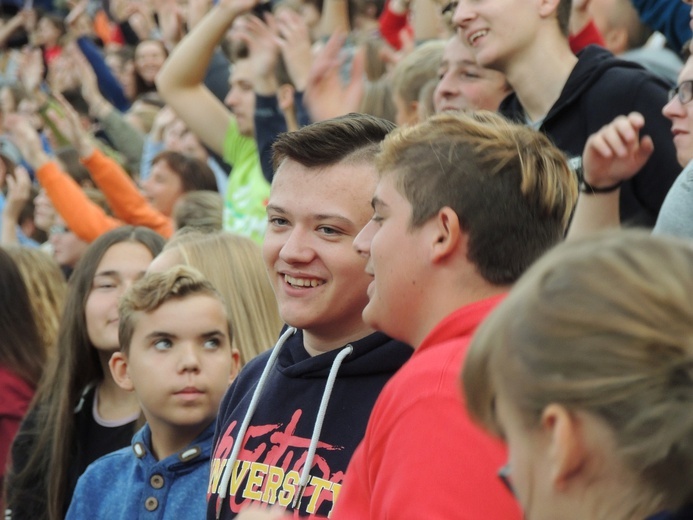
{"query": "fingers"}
pixel 19 185
pixel 619 138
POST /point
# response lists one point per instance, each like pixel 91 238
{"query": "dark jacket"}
pixel 276 443
pixel 599 88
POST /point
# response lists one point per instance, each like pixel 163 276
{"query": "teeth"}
pixel 302 282
pixel 474 37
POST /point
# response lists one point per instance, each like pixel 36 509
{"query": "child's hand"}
pixel 616 152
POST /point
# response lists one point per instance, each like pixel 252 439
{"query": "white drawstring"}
pixel 305 474
pixel 223 488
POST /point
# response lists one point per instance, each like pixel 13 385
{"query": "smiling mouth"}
pixel 476 35
pixel 303 282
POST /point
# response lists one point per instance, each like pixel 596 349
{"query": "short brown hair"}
pixel 194 174
pixel 510 187
pixel 153 290
pixel 353 137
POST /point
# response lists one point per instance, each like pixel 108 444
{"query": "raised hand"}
pixel 26 138
pixel 264 52
pixel 18 193
pixel 325 95
pixel 295 45
pixel 616 152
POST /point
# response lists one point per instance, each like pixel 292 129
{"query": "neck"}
pixel 318 342
pixel 114 402
pixel 168 440
pixel 539 76
pixel 445 303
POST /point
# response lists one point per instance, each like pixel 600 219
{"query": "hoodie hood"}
pixel 371 355
pixel 593 62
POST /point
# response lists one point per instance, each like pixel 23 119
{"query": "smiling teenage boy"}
pixel 289 424
pixel 176 355
pixel 567 97
pixel 442 251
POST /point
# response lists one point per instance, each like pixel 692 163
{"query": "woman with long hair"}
pixel 79 413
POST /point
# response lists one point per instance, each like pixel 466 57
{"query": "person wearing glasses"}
pixel 615 154
pixel 586 371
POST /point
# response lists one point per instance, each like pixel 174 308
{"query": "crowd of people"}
pixel 356 259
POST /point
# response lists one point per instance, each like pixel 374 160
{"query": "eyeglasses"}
pixel 684 91
pixel 504 474
pixel 58 230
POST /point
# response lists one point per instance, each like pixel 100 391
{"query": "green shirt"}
pixel 247 191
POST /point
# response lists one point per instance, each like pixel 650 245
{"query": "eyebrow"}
pixel 319 216
pixel 157 334
pixel 111 273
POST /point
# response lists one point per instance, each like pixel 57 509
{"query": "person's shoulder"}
pixel 616 74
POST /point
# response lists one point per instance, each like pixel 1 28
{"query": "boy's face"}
pixel 313 216
pixel 463 84
pixel 396 263
pixel 179 363
pixel 496 29
pixel 241 96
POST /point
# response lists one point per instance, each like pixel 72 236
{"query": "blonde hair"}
pixel 510 187
pixel 604 326
pixel 416 69
pixel 234 266
pixel 202 209
pixel 47 289
pixel 153 290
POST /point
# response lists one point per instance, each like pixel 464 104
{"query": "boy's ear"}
pixel 285 97
pixel 119 370
pixel 447 234
pixel 235 364
pixel 548 7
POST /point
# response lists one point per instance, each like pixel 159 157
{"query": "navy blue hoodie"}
pixel 277 440
pixel 599 88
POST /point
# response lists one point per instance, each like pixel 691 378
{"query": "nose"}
pixel 231 98
pixel 189 360
pixel 673 108
pixel 462 15
pixel 362 242
pixel 445 86
pixel 297 249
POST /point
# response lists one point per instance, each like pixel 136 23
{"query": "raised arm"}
pixel 612 155
pixel 86 219
pixel 180 81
